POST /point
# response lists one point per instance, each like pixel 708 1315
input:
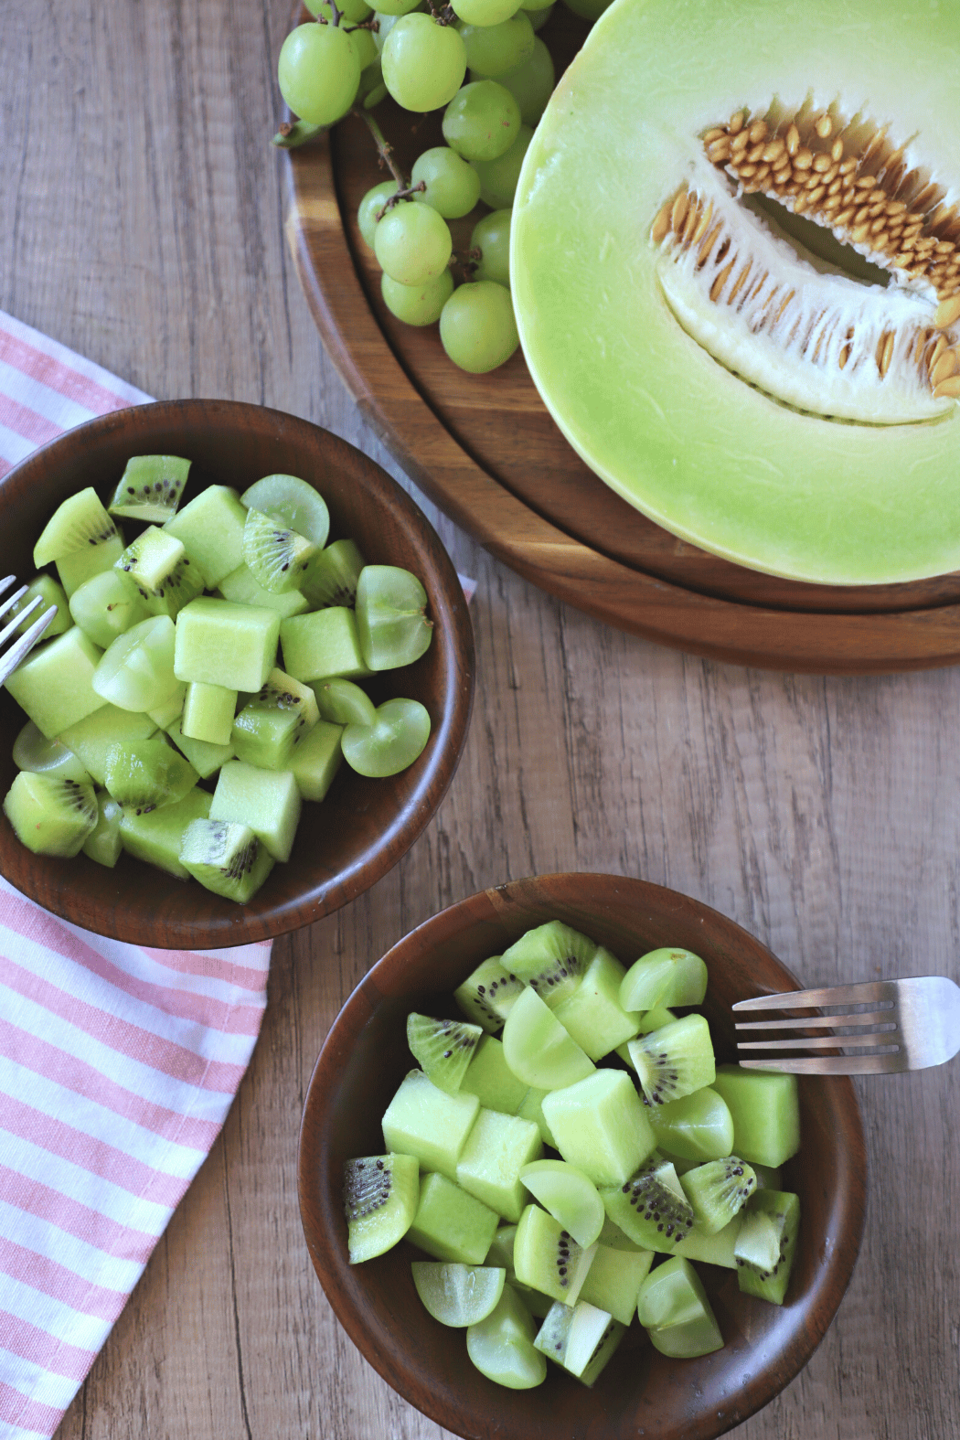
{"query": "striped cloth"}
pixel 118 1064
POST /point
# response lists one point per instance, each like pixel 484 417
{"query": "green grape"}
pixel 344 703
pixel 412 243
pixel 370 206
pixel 492 50
pixel 540 16
pixel 397 7
pixel 531 84
pixel 484 12
pixel 491 236
pixel 453 186
pixel 477 326
pixel 398 735
pixel 482 121
pixel 392 621
pixel 353 11
pixel 365 46
pixel 417 304
pixel 372 89
pixel 385 24
pixel 318 72
pixel 498 178
pixel 424 63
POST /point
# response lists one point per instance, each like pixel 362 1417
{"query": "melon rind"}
pixel 682 439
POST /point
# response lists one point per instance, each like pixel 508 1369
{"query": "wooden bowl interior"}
pixel 641 1393
pixel 363 826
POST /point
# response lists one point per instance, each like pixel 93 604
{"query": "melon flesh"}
pixel 629 376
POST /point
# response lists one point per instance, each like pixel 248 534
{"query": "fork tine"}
pixel 18 619
pixel 859 1018
pixel 11 658
pixel 870 992
pixel 11 600
pixel 824 1042
pixel 834 1064
pixel 6 582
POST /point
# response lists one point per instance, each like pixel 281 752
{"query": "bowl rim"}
pixel 383 982
pixel 430 776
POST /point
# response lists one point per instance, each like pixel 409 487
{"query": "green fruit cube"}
pixel 614 1279
pixel 54 685
pixel 490 1078
pixel 425 1121
pixel 592 1015
pixel 600 1127
pixel 450 1224
pixel 156 835
pixel 210 528
pixel 496 1150
pixel 316 760
pixel 220 643
pixel 266 800
pixel 766 1113
pixel 322 644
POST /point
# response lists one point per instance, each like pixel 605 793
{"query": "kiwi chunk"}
pixel 80 523
pixel 150 488
pixel 547 1258
pixel 581 1339
pixel 717 1191
pixel 784 1209
pixel 551 959
pixel 651 1207
pixel 276 555
pixel 487 994
pixel 331 576
pixel 443 1048
pixel 50 815
pixel 226 858
pixel 143 775
pixel 151 560
pixel 674 1060
pixel 380 1194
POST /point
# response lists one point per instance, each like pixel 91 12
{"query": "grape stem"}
pixel 385 151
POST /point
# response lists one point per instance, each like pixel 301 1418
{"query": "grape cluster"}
pixel 481 62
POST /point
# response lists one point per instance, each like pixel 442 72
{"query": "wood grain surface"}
pixel 142 223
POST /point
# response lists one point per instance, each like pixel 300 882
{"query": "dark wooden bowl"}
pixel 640 1393
pixel 363 827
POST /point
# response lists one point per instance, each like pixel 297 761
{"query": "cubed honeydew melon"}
pixel 490 1078
pixel 91 738
pixel 315 761
pixel 614 1279
pixel 592 1014
pixel 266 800
pixel 531 1108
pixel 156 835
pixel 496 1150
pixel 50 593
pixel 716 460
pixel 321 644
pixel 451 1224
pixel 208 713
pixel 210 528
pixel 243 587
pixel 600 1127
pixel 425 1121
pixel 765 1108
pixel 221 643
pixel 54 685
pixel 205 758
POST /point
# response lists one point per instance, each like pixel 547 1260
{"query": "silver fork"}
pixel 909 1025
pixel 10 659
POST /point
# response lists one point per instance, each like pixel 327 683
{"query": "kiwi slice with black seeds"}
pixel 51 815
pixel 150 488
pixel 783 1207
pixel 651 1208
pixel 226 857
pixel 551 958
pixel 674 1060
pixel 717 1191
pixel 380 1194
pixel 276 556
pixel 443 1048
pixel 331 576
pixel 81 521
pixel 488 993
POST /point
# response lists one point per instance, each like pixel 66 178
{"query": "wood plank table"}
pixel 141 223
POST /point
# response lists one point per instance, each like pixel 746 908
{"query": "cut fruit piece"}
pixel 392 622
pixel 221 643
pixel 106 605
pixel 458 1295
pixel 442 1048
pixel 50 815
pixel 501 1253
pixel 81 565
pixel 157 835
pixel 316 760
pixel 538 1049
pixel 664 977
pixel 51 593
pixel 551 959
pixel 569 1195
pixel 331 576
pixel 79 523
pixel 488 993
pixel 547 1259
pixel 226 858
pixel 208 712
pixel 268 729
pixel 650 1207
pixel 766 1113
pixel 674 1309
pixel 501 1346
pixel 593 1014
pixel 293 503
pixel 275 555
pixel 54 685
pixel 717 1191
pixel 205 758
pixel 600 1125
pixel 380 1195
pixel 674 1060
pixel 397 737
pixel 428 1123
pixel 531 1108
pixel 243 588
pixel 150 488
pixel 33 751
pixel 210 528
pixel 183 584
pixel 490 1078
pixel 614 1279
pixel 758 1241
pixel 784 1209
pixel 696 1127
pixel 104 844
pixel 151 559
pixel 716 1249
pixel 146 774
pixel 450 1224
pixel 322 645
pixel 266 800
pixel 495 1152
pixel 344 703
pixel 91 738
pixel 581 1339
pixel 730 259
pixel 136 672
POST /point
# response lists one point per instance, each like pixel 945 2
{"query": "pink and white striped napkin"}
pixel 118 1064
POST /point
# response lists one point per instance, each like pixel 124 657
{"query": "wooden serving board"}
pixel 486 451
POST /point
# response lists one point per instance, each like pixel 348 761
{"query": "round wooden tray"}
pixel 486 451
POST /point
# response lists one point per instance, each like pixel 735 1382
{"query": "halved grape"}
pixel 477 326
pixel 34 752
pixel 368 211
pixel 491 236
pixel 424 62
pixel 292 501
pixel 492 50
pixel 452 184
pixel 318 72
pixel 413 243
pixel 501 1346
pixel 136 672
pixel 457 1294
pixel 344 703
pixel 417 304
pixel 391 617
pixel 481 121
pixel 393 742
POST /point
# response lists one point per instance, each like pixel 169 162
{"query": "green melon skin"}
pixel 670 430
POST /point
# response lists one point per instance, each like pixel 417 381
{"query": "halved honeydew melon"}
pixel 713 410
